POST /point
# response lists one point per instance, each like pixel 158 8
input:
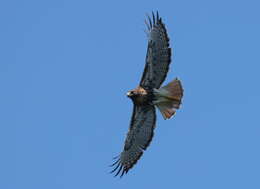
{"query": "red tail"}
pixel 168 98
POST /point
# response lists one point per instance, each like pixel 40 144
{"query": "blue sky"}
pixel 65 67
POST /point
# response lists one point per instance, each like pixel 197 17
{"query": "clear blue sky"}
pixel 65 67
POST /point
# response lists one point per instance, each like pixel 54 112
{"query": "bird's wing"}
pixel 158 55
pixel 138 138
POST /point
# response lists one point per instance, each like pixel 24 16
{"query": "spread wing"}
pixel 158 55
pixel 138 138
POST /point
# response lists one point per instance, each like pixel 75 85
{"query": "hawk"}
pixel 149 95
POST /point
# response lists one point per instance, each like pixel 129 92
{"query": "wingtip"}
pixel 114 163
pixel 123 172
pixel 119 170
pixel 153 17
pixel 152 20
pixel 115 168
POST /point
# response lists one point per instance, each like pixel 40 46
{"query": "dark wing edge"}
pixel 138 138
pixel 158 57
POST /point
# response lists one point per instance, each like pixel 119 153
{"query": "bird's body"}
pixel 149 95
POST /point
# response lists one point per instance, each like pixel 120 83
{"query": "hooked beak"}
pixel 128 94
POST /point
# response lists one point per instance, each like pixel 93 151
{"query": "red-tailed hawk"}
pixel 149 95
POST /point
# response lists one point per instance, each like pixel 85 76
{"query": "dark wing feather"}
pixel 158 55
pixel 138 138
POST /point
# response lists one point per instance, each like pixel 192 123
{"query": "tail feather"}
pixel 168 98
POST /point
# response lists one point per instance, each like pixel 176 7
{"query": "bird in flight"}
pixel 148 95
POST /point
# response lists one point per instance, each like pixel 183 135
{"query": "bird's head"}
pixel 139 91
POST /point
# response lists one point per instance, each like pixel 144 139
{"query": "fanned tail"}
pixel 168 98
